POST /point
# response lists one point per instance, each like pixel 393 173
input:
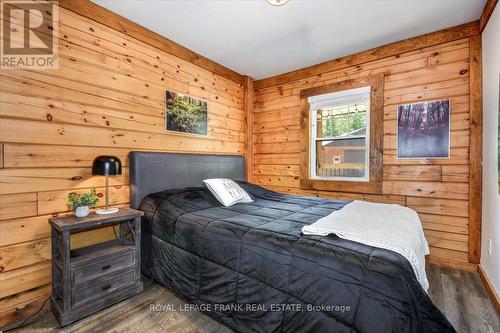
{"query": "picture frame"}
pixel 423 130
pixel 185 114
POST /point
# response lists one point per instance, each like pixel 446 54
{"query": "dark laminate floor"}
pixel 459 294
pixel 462 298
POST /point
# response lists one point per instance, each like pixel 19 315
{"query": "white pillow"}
pixel 227 191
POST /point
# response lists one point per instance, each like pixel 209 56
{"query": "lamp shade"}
pixel 107 166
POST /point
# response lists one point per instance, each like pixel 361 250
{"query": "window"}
pixel 340 133
pixel 343 119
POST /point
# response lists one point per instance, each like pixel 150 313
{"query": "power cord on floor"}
pixel 25 320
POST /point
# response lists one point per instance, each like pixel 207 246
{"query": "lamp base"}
pixel 106 211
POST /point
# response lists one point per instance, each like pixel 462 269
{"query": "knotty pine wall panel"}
pixel 437 189
pixel 107 97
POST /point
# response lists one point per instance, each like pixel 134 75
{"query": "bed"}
pixel 250 267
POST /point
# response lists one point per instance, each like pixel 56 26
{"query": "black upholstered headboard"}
pixel 154 172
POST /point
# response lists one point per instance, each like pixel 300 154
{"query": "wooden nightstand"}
pixel 89 279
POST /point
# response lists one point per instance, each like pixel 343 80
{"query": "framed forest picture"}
pixel 423 130
pixel 185 114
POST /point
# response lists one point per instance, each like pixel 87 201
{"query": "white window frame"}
pixel 350 96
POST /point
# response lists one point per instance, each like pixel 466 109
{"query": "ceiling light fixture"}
pixel 277 2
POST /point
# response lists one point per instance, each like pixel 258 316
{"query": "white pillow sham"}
pixel 227 191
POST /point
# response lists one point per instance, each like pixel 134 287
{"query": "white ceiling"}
pixel 254 38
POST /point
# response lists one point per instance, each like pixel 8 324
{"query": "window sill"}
pixel 373 186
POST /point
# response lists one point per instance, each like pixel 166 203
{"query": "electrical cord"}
pixel 126 236
pixel 114 231
pixel 25 320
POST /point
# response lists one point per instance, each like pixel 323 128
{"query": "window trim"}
pixel 374 184
pixel 344 96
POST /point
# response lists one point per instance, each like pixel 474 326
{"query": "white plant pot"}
pixel 82 211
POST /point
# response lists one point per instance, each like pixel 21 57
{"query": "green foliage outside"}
pixel 342 124
pixel 76 200
pixel 186 114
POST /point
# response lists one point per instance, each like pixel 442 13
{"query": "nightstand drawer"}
pixel 89 293
pixel 102 267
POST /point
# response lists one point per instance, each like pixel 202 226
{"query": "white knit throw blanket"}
pixel 390 227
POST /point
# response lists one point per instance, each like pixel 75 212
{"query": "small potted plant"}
pixel 80 203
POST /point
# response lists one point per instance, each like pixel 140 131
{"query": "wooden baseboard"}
pixel 16 308
pixel 457 264
pixel 16 316
pixel 489 287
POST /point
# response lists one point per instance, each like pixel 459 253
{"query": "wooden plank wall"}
pixel 437 189
pixel 107 97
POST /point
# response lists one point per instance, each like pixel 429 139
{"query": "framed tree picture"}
pixel 185 114
pixel 423 130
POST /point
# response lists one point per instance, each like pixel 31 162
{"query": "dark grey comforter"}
pixel 252 268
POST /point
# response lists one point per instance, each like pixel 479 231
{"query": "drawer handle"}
pixel 106 287
pixel 106 267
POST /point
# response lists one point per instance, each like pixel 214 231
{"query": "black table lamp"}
pixel 107 166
